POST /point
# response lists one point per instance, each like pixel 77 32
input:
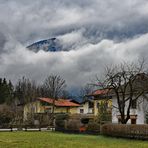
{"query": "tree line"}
pixel 126 81
pixel 25 90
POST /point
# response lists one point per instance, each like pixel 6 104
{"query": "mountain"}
pixel 51 45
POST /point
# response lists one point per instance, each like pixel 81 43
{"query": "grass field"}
pixel 59 140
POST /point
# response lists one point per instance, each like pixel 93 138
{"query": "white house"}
pixel 86 107
pixel 138 111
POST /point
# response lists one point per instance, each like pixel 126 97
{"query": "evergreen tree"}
pixel 6 91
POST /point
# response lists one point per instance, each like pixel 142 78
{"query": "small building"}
pixel 45 105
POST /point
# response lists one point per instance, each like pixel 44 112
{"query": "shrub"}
pixel 73 125
pixel 60 121
pixel 93 127
pixel 30 120
pixel 62 116
pixel 126 131
pixel 6 116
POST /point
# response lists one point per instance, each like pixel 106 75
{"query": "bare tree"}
pixel 26 90
pixel 54 87
pixel 86 90
pixel 126 82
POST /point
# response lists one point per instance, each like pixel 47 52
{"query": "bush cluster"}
pixel 125 131
pixel 93 127
pixel 6 117
pixel 60 121
pixel 75 125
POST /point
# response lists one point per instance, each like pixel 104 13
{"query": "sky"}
pixel 95 33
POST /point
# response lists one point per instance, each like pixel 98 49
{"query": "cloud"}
pixel 76 66
pixel 73 39
pixel 44 19
pixel 95 33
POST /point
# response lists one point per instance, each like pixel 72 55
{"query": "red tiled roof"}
pixel 60 102
pixel 100 92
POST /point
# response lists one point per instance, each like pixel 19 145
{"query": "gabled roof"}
pixel 100 92
pixel 59 102
pixel 74 101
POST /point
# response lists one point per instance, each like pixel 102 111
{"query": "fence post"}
pixel 11 129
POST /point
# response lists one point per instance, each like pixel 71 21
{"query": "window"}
pixel 91 104
pixel 133 121
pixel 81 111
pixel 48 110
pixel 44 103
pixel 98 105
pixel 134 104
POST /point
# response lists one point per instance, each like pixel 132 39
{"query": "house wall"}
pixel 33 107
pixel 73 110
pixel 96 107
pixel 84 106
pixel 60 110
pixel 93 110
pixel 139 111
pixel 99 101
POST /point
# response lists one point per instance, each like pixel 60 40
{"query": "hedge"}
pixel 125 131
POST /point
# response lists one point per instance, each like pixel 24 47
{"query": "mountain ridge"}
pixel 48 45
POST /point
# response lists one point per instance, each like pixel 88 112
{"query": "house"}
pixel 45 105
pixel 138 110
pixel 139 103
pixel 92 103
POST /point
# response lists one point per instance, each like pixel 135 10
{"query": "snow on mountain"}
pixel 49 45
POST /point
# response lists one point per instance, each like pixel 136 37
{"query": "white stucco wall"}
pixel 142 105
pixel 84 107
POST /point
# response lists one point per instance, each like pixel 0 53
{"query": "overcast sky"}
pixel 95 32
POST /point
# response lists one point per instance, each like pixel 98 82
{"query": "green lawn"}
pixel 59 140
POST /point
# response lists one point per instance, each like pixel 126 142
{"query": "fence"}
pixel 125 131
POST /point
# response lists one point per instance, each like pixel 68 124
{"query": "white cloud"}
pixel 76 66
pixel 73 39
pixel 95 33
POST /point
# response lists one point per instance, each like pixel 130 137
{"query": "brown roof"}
pixel 60 102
